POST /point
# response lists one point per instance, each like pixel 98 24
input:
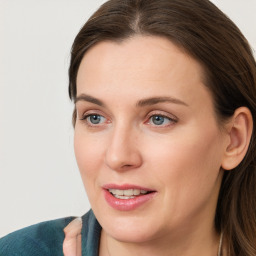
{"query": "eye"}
pixel 94 119
pixel 161 120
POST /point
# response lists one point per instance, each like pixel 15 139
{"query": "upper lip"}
pixel 125 186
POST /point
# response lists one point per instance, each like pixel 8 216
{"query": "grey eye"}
pixel 158 120
pixel 95 119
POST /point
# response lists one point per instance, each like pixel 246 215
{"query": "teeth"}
pixel 136 192
pixel 127 193
pixel 117 192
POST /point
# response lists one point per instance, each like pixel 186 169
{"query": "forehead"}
pixel 142 51
pixel 148 64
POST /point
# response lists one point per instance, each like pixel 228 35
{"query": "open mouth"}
pixel 128 193
pixel 127 197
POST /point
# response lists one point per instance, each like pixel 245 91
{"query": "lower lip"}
pixel 127 204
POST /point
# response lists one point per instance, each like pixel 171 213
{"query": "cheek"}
pixel 187 170
pixel 187 165
pixel 89 152
pixel 191 148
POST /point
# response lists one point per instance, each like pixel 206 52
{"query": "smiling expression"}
pixel 147 141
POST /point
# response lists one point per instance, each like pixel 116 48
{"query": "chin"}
pixel 131 229
pixel 130 236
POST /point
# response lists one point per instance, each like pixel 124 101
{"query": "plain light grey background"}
pixel 39 179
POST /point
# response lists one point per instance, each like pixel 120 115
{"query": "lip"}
pixel 127 204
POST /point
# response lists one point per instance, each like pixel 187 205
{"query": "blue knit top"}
pixel 47 238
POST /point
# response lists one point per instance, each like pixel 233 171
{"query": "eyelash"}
pixel 171 120
pixel 88 123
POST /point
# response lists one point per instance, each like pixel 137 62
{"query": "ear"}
pixel 239 134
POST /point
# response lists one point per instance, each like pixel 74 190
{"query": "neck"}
pixel 193 244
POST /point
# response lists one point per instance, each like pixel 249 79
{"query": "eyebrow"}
pixel 88 98
pixel 156 100
pixel 140 103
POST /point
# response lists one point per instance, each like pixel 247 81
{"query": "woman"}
pixel 165 108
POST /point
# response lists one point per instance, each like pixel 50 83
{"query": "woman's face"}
pixel 146 140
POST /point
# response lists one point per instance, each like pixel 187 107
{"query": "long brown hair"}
pixel 205 33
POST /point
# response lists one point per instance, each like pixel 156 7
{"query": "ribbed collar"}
pixel 91 231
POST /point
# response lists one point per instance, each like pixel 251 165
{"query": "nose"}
pixel 123 152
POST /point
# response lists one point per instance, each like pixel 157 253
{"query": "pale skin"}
pixel 180 157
